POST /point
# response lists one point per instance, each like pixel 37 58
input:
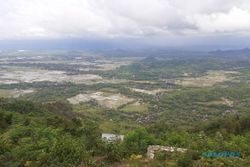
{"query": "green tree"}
pixel 66 151
pixel 92 136
pixel 136 142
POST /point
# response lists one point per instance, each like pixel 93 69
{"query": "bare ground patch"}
pixel 32 75
pixel 150 92
pixel 15 93
pixel 221 101
pixel 212 78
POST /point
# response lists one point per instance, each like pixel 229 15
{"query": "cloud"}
pixel 235 20
pixel 21 19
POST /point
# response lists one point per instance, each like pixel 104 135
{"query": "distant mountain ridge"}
pixel 240 52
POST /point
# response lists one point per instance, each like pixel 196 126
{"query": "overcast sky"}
pixel 177 21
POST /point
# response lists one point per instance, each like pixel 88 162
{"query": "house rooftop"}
pixel 109 137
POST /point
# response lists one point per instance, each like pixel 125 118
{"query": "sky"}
pixel 222 23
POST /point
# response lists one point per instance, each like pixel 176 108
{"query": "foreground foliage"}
pixel 33 135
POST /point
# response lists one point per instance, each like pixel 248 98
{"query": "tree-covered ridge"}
pixel 35 134
pixel 152 68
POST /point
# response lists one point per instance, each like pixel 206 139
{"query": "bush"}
pixel 66 151
pixel 114 152
pixel 136 142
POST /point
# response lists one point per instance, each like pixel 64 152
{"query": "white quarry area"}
pixel 107 100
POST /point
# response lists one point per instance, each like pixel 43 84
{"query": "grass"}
pixel 121 127
pixel 89 111
pixel 4 93
pixel 136 107
pixel 108 123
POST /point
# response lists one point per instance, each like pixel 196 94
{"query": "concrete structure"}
pixel 152 149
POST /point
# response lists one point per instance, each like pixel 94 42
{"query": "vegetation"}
pixel 43 129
